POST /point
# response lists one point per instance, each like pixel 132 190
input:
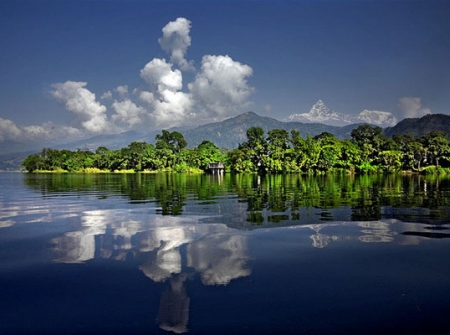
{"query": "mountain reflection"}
pixel 214 251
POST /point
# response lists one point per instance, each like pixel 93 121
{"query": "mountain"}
pixel 320 113
pixel 225 134
pixel 12 161
pixel 111 141
pixel 231 132
pixel 417 127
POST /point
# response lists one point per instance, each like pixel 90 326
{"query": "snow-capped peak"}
pixel 379 118
pixel 320 109
pixel 320 113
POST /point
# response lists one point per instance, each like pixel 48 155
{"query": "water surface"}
pixel 174 253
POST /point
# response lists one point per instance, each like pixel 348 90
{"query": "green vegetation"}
pixel 368 151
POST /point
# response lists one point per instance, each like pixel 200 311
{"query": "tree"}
pixel 135 155
pixel 330 151
pixel 102 158
pixel 239 160
pixel 413 151
pixel 437 145
pixel 312 153
pixel 206 152
pixel 257 146
pixel 370 141
pixel 277 144
pixel 174 141
pixel 33 162
pixel 299 158
pixel 350 155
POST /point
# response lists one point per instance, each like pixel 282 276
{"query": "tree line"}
pixel 278 151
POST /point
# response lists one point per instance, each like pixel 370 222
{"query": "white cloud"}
pixel 47 131
pixel 176 40
pixel 88 113
pixel 410 107
pixel 106 95
pixel 9 130
pixel 169 106
pixel 220 89
pixel 122 90
pixel 159 74
pixel 172 109
pixel 127 112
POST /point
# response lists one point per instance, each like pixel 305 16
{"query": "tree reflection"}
pixel 271 198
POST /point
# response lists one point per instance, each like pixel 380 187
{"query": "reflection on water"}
pixel 214 251
pixel 174 306
pixel 175 227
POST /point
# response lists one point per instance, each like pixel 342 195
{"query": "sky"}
pixel 76 69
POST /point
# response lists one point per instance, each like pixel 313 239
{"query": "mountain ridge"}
pixel 231 132
pixel 417 127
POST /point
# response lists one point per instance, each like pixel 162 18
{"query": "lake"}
pixel 233 254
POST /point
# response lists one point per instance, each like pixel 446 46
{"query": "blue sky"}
pixel 73 69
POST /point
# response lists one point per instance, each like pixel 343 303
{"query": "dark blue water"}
pixel 98 254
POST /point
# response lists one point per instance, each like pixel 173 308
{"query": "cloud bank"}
pixel 410 107
pixel 220 90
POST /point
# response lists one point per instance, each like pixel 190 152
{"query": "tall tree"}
pixel 173 141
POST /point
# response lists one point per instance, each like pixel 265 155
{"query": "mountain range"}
pixel 320 113
pixel 231 132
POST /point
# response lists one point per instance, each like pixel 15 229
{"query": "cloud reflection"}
pixel 216 252
pixel 386 231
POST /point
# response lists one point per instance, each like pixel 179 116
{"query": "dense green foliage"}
pixel 367 151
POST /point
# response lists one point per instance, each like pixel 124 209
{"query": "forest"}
pixel 367 151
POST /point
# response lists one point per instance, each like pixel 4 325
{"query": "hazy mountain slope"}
pixel 229 133
pixel 417 127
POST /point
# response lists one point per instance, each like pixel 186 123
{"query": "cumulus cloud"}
pixel 410 107
pixel 106 95
pixel 159 74
pixel 168 104
pixel 221 87
pixel 122 90
pixel 220 90
pixel 128 113
pixel 88 113
pixel 9 130
pixel 176 40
